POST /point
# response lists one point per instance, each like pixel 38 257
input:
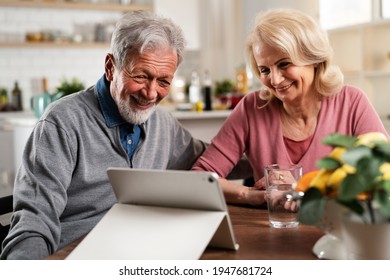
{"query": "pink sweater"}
pixel 258 133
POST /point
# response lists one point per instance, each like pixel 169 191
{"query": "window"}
pixel 385 8
pixel 339 13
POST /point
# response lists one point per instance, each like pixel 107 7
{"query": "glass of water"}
pixel 282 208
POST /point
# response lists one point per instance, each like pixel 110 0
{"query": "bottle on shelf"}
pixel 241 79
pixel 17 97
pixel 3 96
pixel 44 86
pixel 207 94
pixel 195 90
pixel 3 99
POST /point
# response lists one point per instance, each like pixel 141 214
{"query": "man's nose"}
pixel 151 89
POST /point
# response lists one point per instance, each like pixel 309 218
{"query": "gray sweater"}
pixel 62 189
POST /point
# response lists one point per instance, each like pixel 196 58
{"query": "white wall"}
pixel 224 25
pixel 250 8
pixel 28 65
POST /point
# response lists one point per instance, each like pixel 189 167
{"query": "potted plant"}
pixel 355 176
pixel 223 87
pixel 69 86
pixel 226 93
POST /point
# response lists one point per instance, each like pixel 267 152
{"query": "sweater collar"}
pixel 110 110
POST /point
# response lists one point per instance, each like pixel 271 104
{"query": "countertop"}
pixel 27 118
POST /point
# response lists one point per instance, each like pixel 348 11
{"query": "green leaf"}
pixel 354 155
pixel 328 163
pixel 351 187
pixel 353 205
pixel 382 197
pixel 383 148
pixel 224 86
pixel 336 139
pixel 369 169
pixel 312 207
pixel 70 86
pixel 386 186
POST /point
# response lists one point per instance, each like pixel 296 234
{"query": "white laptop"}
pixel 160 214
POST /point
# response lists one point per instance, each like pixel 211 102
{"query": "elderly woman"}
pixel 303 101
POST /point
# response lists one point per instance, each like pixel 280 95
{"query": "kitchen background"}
pixel 73 39
pixel 215 32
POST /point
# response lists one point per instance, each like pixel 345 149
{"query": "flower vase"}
pixel 365 241
pixel 331 246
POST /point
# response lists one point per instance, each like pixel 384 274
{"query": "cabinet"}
pixel 203 126
pixel 67 5
pixel 7 158
pixel 363 54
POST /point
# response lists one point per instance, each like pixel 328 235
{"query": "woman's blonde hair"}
pixel 302 39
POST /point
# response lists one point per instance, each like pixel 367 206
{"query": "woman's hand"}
pixel 239 194
pixel 280 198
pixel 254 196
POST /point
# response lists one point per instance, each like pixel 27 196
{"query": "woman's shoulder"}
pixel 349 98
pixel 349 93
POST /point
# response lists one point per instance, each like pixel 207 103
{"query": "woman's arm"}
pixel 238 194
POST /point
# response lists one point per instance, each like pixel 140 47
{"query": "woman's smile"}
pixel 282 89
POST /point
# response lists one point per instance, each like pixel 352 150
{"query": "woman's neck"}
pixel 299 120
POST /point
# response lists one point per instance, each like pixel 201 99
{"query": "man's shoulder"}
pixel 74 108
pixel 75 102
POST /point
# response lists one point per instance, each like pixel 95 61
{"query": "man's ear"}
pixel 109 67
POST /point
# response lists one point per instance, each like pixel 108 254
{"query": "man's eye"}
pixel 163 83
pixel 140 78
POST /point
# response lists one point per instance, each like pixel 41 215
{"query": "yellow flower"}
pixel 348 168
pixel 367 139
pixel 385 169
pixel 335 179
pixel 320 181
pixel 337 153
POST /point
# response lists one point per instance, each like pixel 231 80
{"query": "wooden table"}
pixel 256 238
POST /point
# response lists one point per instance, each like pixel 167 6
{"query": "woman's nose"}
pixel 276 77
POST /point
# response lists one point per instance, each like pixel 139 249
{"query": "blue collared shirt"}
pixel 129 133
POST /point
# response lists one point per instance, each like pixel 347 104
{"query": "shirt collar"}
pixel 107 103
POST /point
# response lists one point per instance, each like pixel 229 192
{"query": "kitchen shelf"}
pixel 56 4
pixel 62 4
pixel 368 74
pixel 67 45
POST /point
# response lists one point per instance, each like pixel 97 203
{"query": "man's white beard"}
pixel 133 115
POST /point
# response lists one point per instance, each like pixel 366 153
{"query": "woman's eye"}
pixel 284 64
pixel 264 70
